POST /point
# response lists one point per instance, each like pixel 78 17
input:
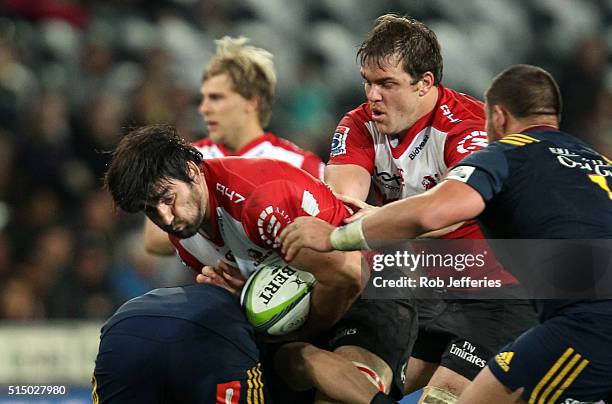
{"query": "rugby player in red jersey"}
pixel 402 142
pixel 233 209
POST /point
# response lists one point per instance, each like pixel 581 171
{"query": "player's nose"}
pixel 373 93
pixel 204 107
pixel 164 212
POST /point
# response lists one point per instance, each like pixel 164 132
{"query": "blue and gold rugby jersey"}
pixel 541 184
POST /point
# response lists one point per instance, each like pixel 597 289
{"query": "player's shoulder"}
pixel 458 113
pixel 359 114
pixel 516 141
pixel 204 142
pixel 287 145
pixel 492 155
pixel 282 143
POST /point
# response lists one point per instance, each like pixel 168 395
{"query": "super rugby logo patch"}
pixel 338 145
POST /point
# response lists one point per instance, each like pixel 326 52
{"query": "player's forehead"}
pixel 385 67
pixel 219 83
pixel 162 188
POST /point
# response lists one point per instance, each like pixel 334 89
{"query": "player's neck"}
pixel 429 101
pixel 521 125
pixel 248 133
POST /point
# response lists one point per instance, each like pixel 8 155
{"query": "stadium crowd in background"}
pixel 73 76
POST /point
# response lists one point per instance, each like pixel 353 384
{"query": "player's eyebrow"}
pixel 383 79
pixel 157 194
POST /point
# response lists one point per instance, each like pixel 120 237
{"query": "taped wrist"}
pixel 436 395
pixel 349 237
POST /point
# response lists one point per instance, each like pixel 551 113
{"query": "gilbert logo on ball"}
pixel 276 299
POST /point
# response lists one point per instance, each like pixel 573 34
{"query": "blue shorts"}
pixel 150 359
pixel 566 359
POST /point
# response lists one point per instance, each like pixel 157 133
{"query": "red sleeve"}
pixel 274 205
pixel 352 143
pixel 464 139
pixel 188 259
pixel 313 165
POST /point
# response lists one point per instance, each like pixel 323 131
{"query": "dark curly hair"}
pixel 145 158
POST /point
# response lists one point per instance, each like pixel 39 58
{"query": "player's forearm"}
pixel 328 305
pixel 339 283
pixel 398 220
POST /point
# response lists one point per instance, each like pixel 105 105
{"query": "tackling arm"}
pixel 449 203
pixel 338 286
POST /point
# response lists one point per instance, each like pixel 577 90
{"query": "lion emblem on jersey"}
pixel 429 181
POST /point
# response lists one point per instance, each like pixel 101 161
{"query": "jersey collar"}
pixel 541 128
pixel 247 147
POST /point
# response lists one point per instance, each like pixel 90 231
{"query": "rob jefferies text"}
pixel 404 269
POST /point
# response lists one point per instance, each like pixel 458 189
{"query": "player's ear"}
pixel 193 171
pixel 253 104
pixel 499 117
pixel 426 83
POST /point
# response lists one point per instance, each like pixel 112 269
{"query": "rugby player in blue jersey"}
pixel 179 345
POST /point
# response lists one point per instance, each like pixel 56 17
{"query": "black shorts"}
pixel 168 360
pixel 386 328
pixel 566 359
pixel 462 335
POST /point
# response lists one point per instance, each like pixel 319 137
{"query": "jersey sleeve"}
pixel 352 144
pixel 466 138
pixel 273 206
pixel 313 165
pixel 486 171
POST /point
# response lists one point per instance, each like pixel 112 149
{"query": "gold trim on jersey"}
pixel 563 367
pixel 95 398
pixel 519 139
pixel 255 394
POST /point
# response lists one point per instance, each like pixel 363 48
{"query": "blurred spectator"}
pixel 18 301
pixel 582 84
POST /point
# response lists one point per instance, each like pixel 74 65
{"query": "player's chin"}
pixel 184 233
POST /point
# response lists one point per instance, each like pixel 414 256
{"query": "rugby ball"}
pixel 276 298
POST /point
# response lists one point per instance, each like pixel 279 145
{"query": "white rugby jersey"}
pixel 268 146
pixel 250 202
pixel 434 144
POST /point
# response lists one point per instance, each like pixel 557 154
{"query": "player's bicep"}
pixel 339 269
